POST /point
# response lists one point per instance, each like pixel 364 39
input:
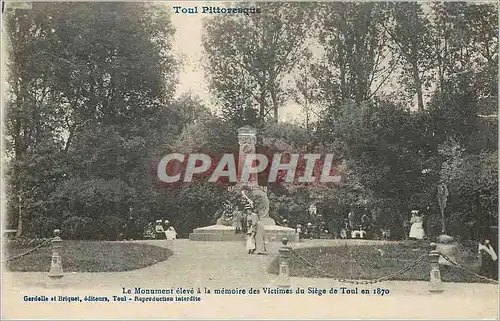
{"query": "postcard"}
pixel 249 160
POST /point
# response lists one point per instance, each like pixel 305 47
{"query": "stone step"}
pixel 216 237
pixel 274 233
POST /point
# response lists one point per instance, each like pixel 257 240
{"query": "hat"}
pixel 414 211
pixel 167 221
pixel 158 221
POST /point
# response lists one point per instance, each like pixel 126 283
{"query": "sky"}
pixel 187 46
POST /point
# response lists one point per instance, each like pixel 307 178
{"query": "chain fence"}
pixel 39 246
pixel 387 277
pixel 319 269
pixel 363 282
pixel 467 271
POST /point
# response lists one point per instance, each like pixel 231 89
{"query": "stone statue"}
pixel 258 198
pixel 246 190
pixel 226 217
pixel 442 198
pixel 247 186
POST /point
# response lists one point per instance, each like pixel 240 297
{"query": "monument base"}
pixel 274 233
pixel 267 221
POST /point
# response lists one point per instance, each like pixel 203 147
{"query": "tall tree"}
pixel 466 40
pixel 357 60
pixel 93 81
pixel 246 70
pixel 306 92
pixel 380 142
pixel 412 38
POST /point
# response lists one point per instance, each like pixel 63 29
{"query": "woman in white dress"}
pixel 417 226
pixel 171 233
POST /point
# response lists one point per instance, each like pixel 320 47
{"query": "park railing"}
pixel 44 243
pixel 56 271
pixel 468 271
pixel 435 282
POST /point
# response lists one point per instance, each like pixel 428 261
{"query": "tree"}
pixel 357 61
pixel 380 142
pixel 306 92
pixel 247 69
pixel 472 181
pixel 89 83
pixel 413 40
pixel 354 41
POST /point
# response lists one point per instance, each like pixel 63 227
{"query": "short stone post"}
pixel 284 270
pixel 435 284
pixel 56 270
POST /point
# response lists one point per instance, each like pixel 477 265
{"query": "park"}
pixel 357 161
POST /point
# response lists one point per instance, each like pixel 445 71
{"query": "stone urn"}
pixel 447 246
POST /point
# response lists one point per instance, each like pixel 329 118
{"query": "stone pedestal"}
pixel 267 221
pixel 274 233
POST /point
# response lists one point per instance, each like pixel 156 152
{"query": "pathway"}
pixel 226 265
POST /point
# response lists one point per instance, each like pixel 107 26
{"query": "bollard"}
pixel 435 284
pixel 284 271
pixel 56 270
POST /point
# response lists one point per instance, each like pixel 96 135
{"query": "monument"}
pixel 249 189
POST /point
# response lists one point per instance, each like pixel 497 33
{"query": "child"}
pixel 250 242
pixel 298 230
pixel 251 231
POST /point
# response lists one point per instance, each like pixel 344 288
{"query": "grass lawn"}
pixel 365 262
pixel 89 256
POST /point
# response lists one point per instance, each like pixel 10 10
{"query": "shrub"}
pixel 77 228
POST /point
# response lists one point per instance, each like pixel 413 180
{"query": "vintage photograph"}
pixel 271 160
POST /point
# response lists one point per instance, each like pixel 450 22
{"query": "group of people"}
pixel 355 229
pixel 165 231
pixel 248 222
pixel 256 233
pixel 365 229
pixel 310 230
